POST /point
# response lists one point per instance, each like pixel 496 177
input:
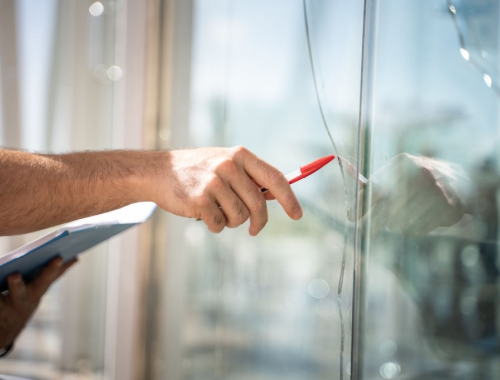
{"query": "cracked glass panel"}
pixel 430 211
pixel 277 77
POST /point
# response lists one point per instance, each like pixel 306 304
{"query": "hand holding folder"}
pixel 70 240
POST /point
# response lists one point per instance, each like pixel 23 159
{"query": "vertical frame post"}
pixel 362 233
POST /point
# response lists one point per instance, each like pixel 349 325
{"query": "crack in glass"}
pixel 346 220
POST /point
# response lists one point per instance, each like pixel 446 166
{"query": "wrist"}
pixel 149 172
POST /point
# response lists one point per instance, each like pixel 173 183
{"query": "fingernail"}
pixel 59 262
pixel 297 213
pixel 16 278
pixel 251 232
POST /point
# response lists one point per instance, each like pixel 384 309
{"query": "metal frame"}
pixel 173 121
pixel 166 119
pixel 362 235
pixel 10 122
pixel 129 252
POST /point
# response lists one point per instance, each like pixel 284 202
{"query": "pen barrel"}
pixel 293 175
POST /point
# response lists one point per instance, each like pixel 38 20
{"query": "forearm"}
pixel 217 185
pixel 38 191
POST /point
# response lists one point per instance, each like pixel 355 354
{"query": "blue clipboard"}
pixel 71 240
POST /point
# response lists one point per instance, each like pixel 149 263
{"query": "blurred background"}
pixel 169 300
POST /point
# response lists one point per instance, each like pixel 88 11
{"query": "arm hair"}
pixel 42 190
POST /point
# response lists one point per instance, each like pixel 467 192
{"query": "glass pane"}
pixel 431 217
pixel 55 55
pixel 268 307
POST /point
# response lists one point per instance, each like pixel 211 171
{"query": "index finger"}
pixel 274 180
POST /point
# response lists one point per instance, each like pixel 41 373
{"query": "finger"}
pixel 397 173
pixel 269 196
pixel 384 180
pixel 401 193
pixel 423 225
pixel 272 179
pixel 38 293
pixel 433 218
pixel 429 195
pixel 17 289
pixel 47 276
pixel 66 266
pixel 255 202
pixel 413 209
pixel 232 206
pixel 214 218
pixel 428 222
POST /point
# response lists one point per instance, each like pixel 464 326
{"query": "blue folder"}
pixel 70 240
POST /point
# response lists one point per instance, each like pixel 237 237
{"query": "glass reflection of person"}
pixel 38 191
pixel 413 196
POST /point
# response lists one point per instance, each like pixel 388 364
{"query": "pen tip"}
pixel 329 158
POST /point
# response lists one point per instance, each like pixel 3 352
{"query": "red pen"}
pixel 305 170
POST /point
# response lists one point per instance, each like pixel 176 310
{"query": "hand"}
pixel 17 307
pixel 414 195
pixel 219 186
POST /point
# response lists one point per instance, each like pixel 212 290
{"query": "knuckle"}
pixel 405 156
pixel 238 215
pixel 276 177
pixel 426 174
pixel 227 165
pixel 240 208
pixel 202 201
pixel 219 220
pixel 243 217
pixel 240 150
pixel 214 184
pixel 260 205
pixel 409 159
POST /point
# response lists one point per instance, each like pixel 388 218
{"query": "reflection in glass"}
pixel 96 9
pixel 430 222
